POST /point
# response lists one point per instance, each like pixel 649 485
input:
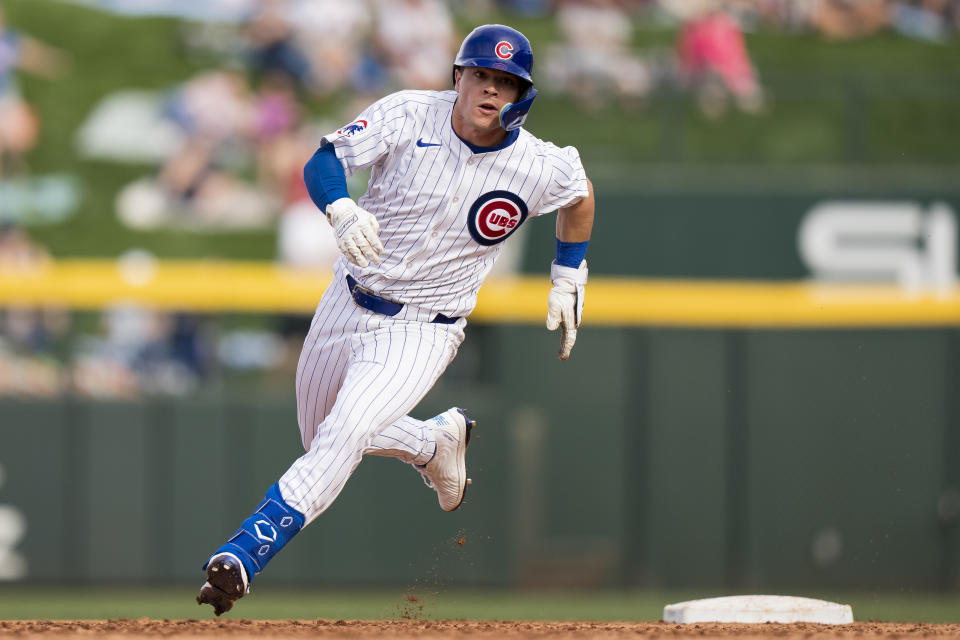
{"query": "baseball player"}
pixel 453 175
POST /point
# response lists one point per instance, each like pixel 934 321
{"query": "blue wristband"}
pixel 571 254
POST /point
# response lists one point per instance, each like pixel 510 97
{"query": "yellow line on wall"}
pixel 212 286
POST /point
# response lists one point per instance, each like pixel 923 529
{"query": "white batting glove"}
pixel 357 232
pixel 565 303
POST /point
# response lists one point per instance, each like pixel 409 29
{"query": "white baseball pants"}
pixel 359 375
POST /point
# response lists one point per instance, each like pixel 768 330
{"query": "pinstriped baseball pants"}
pixel 359 375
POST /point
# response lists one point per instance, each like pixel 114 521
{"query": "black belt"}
pixel 369 300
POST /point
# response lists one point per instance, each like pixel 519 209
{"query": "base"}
pixel 750 609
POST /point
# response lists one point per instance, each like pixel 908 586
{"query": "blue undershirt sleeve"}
pixel 325 178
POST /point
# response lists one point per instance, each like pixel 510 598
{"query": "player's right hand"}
pixel 565 303
pixel 357 232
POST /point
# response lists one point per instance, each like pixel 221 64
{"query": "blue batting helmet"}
pixel 497 46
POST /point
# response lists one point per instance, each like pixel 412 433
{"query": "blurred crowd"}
pixel 125 351
pixel 291 55
pixel 19 125
pixel 243 129
pixel 288 57
pixel 932 20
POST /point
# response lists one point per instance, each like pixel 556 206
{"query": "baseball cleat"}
pixel 446 473
pixel 226 583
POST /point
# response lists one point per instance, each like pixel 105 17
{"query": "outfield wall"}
pixel 759 429
pixel 658 457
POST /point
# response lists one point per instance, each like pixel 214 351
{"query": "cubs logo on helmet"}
pixel 354 128
pixel 497 46
pixel 495 215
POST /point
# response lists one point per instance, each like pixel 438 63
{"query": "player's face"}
pixel 483 92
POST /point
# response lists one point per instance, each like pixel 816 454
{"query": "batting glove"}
pixel 357 232
pixel 565 303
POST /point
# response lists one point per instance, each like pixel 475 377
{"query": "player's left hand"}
pixel 565 303
pixel 357 232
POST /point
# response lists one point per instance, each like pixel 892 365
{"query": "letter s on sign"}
pixel 892 241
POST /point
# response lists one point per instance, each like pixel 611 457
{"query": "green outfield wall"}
pixel 754 459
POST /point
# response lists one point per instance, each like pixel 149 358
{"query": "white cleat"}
pixel 446 472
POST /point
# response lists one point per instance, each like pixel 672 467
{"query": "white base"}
pixel 750 609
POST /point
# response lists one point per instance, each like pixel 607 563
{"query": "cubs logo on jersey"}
pixel 354 128
pixel 495 215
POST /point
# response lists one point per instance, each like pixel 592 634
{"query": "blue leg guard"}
pixel 264 533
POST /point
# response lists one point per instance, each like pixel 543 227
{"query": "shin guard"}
pixel 264 533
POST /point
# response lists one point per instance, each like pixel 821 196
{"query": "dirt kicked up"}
pixel 270 629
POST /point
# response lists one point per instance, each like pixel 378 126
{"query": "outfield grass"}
pixel 27 603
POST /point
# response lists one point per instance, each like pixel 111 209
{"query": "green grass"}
pixel 28 603
pixel 106 53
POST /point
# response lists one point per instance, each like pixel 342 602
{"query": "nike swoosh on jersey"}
pixel 421 143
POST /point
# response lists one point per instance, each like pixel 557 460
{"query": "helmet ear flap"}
pixel 514 114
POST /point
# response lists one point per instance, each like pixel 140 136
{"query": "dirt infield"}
pixel 270 629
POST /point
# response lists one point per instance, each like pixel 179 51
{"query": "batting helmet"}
pixel 497 46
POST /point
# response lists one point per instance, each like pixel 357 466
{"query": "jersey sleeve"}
pixel 568 182
pixel 367 140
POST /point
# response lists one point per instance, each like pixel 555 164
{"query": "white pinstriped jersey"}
pixel 444 209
